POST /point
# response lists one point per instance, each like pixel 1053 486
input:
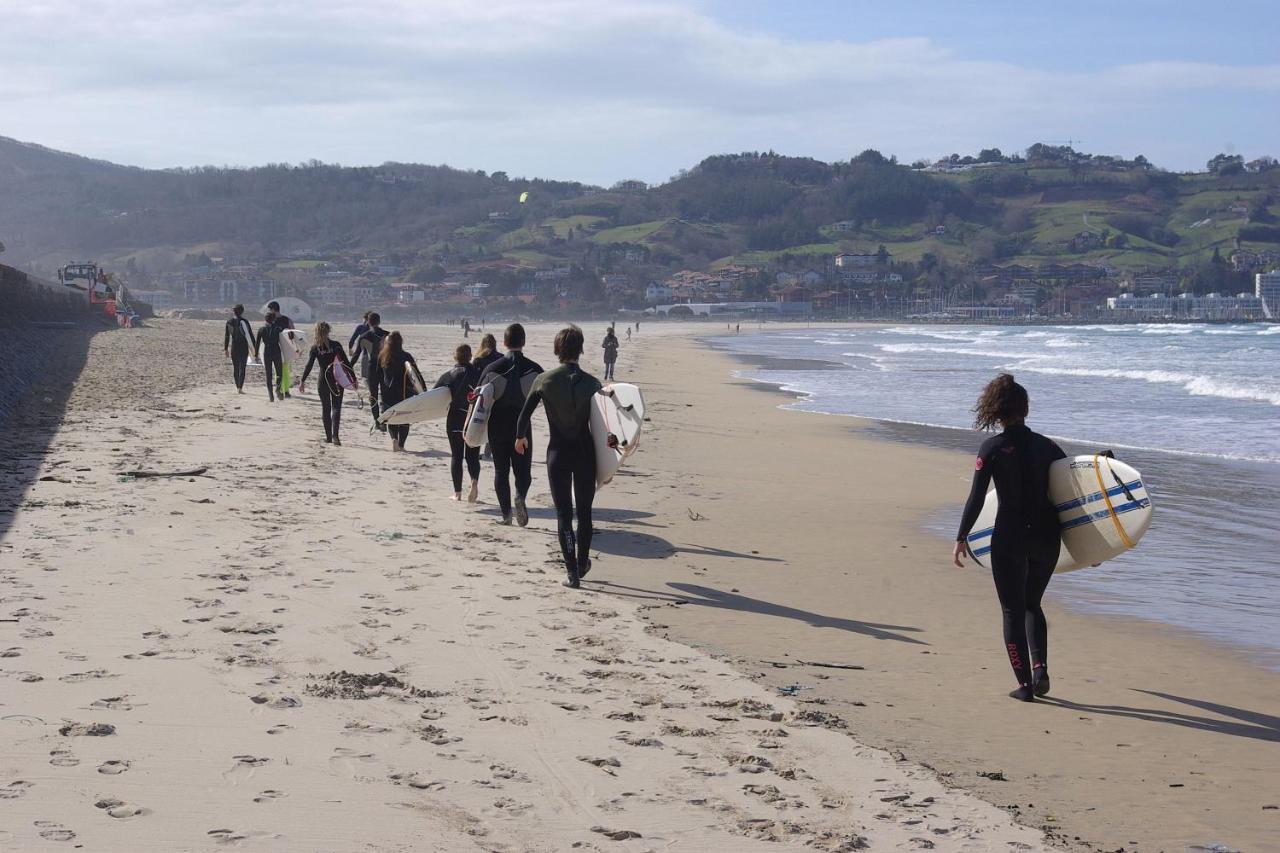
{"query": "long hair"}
pixel 391 350
pixel 322 334
pixel 487 345
pixel 1001 402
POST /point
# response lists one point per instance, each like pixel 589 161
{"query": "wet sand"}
pixel 773 537
pixel 297 647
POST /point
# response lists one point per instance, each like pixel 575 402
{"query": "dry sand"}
pixel 178 652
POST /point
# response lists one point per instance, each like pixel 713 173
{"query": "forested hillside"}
pixel 1051 204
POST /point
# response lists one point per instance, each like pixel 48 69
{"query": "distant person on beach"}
pixel 325 352
pixel 566 391
pixel 461 380
pixel 1027 537
pixel 268 352
pixel 284 322
pixel 518 373
pixel 394 373
pixel 487 354
pixel 628 333
pixel 610 347
pixel 237 342
pixel 360 356
pixel 368 344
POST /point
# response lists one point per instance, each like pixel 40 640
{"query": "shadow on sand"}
pixel 1247 724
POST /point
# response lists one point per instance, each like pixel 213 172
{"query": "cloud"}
pixel 564 88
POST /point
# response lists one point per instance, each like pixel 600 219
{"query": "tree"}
pixel 1226 164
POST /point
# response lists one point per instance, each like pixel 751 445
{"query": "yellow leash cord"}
pixel 1115 519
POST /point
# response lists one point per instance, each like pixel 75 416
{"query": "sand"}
pixel 774 537
pixel 310 648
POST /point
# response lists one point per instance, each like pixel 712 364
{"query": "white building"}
pixel 655 293
pixel 858 260
pixel 1186 306
pixel 476 291
pixel 1266 285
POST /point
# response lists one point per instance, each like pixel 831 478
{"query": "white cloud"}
pixel 564 88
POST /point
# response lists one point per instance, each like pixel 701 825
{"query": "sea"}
pixel 1195 408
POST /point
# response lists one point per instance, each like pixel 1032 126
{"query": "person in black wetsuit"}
pixel 394 372
pixel 367 344
pixel 518 372
pixel 237 342
pixel 284 322
pixel 268 352
pixel 360 355
pixel 566 391
pixel 461 380
pixel 610 347
pixel 1027 536
pixel 325 352
pixel 487 354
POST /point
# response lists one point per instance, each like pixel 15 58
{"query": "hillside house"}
pixel 1239 208
pixel 844 225
pixel 1085 241
pixel 656 293
pixel 860 260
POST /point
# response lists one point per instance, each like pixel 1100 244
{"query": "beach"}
pixel 219 632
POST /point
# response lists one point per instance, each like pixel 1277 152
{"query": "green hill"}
pixel 1054 205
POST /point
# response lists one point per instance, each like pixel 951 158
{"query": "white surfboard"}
pixel 475 431
pixel 293 344
pixel 1102 504
pixel 427 406
pixel 343 376
pixel 617 414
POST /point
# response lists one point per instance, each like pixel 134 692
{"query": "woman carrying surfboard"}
pixel 1026 537
pixel 237 342
pixel 336 375
pixel 567 393
pixel 396 375
pixel 461 379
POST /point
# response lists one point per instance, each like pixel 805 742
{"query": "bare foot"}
pixel 474 493
pixel 457 496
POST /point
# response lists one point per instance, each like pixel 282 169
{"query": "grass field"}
pixel 630 233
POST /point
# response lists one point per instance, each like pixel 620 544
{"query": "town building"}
pixel 1187 306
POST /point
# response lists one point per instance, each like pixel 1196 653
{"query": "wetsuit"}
pixel 359 355
pixel 367 345
pixel 329 390
pixel 270 356
pixel 571 455
pixel 286 365
pixel 610 346
pixel 239 339
pixel 460 381
pixel 480 362
pixel 1026 539
pixel 513 367
pixel 395 383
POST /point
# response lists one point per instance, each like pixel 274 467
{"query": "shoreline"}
pixel 1103 711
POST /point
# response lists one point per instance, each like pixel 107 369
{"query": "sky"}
pixel 602 90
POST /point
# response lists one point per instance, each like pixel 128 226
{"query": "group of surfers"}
pixel 391 375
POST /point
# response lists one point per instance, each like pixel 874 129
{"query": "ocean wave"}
pixel 1200 386
pixel 903 349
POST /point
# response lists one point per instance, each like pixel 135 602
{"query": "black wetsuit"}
pixel 395 383
pixel 329 390
pixel 567 392
pixel 366 345
pixel 239 339
pixel 502 428
pixel 460 381
pixel 270 356
pixel 1026 537
pixel 610 346
pixel 480 362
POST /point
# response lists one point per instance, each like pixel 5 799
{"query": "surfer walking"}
pixel 517 374
pixel 285 323
pixel 268 352
pixel 367 343
pixel 395 373
pixel 461 380
pixel 1026 539
pixel 487 354
pixel 237 342
pixel 610 347
pixel 566 392
pixel 326 353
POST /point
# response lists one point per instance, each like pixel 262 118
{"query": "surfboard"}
pixel 475 431
pixel 343 376
pixel 427 406
pixel 1102 505
pixel 293 344
pixel 617 414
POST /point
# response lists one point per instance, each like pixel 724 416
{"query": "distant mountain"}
pixel 1051 205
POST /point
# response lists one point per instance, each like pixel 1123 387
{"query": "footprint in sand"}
pixel 113 703
pixel 14 790
pixel 119 808
pixel 77 677
pixel 51 831
pixel 416 780
pixel 63 758
pixel 114 767
pixel 269 795
pixel 245 766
